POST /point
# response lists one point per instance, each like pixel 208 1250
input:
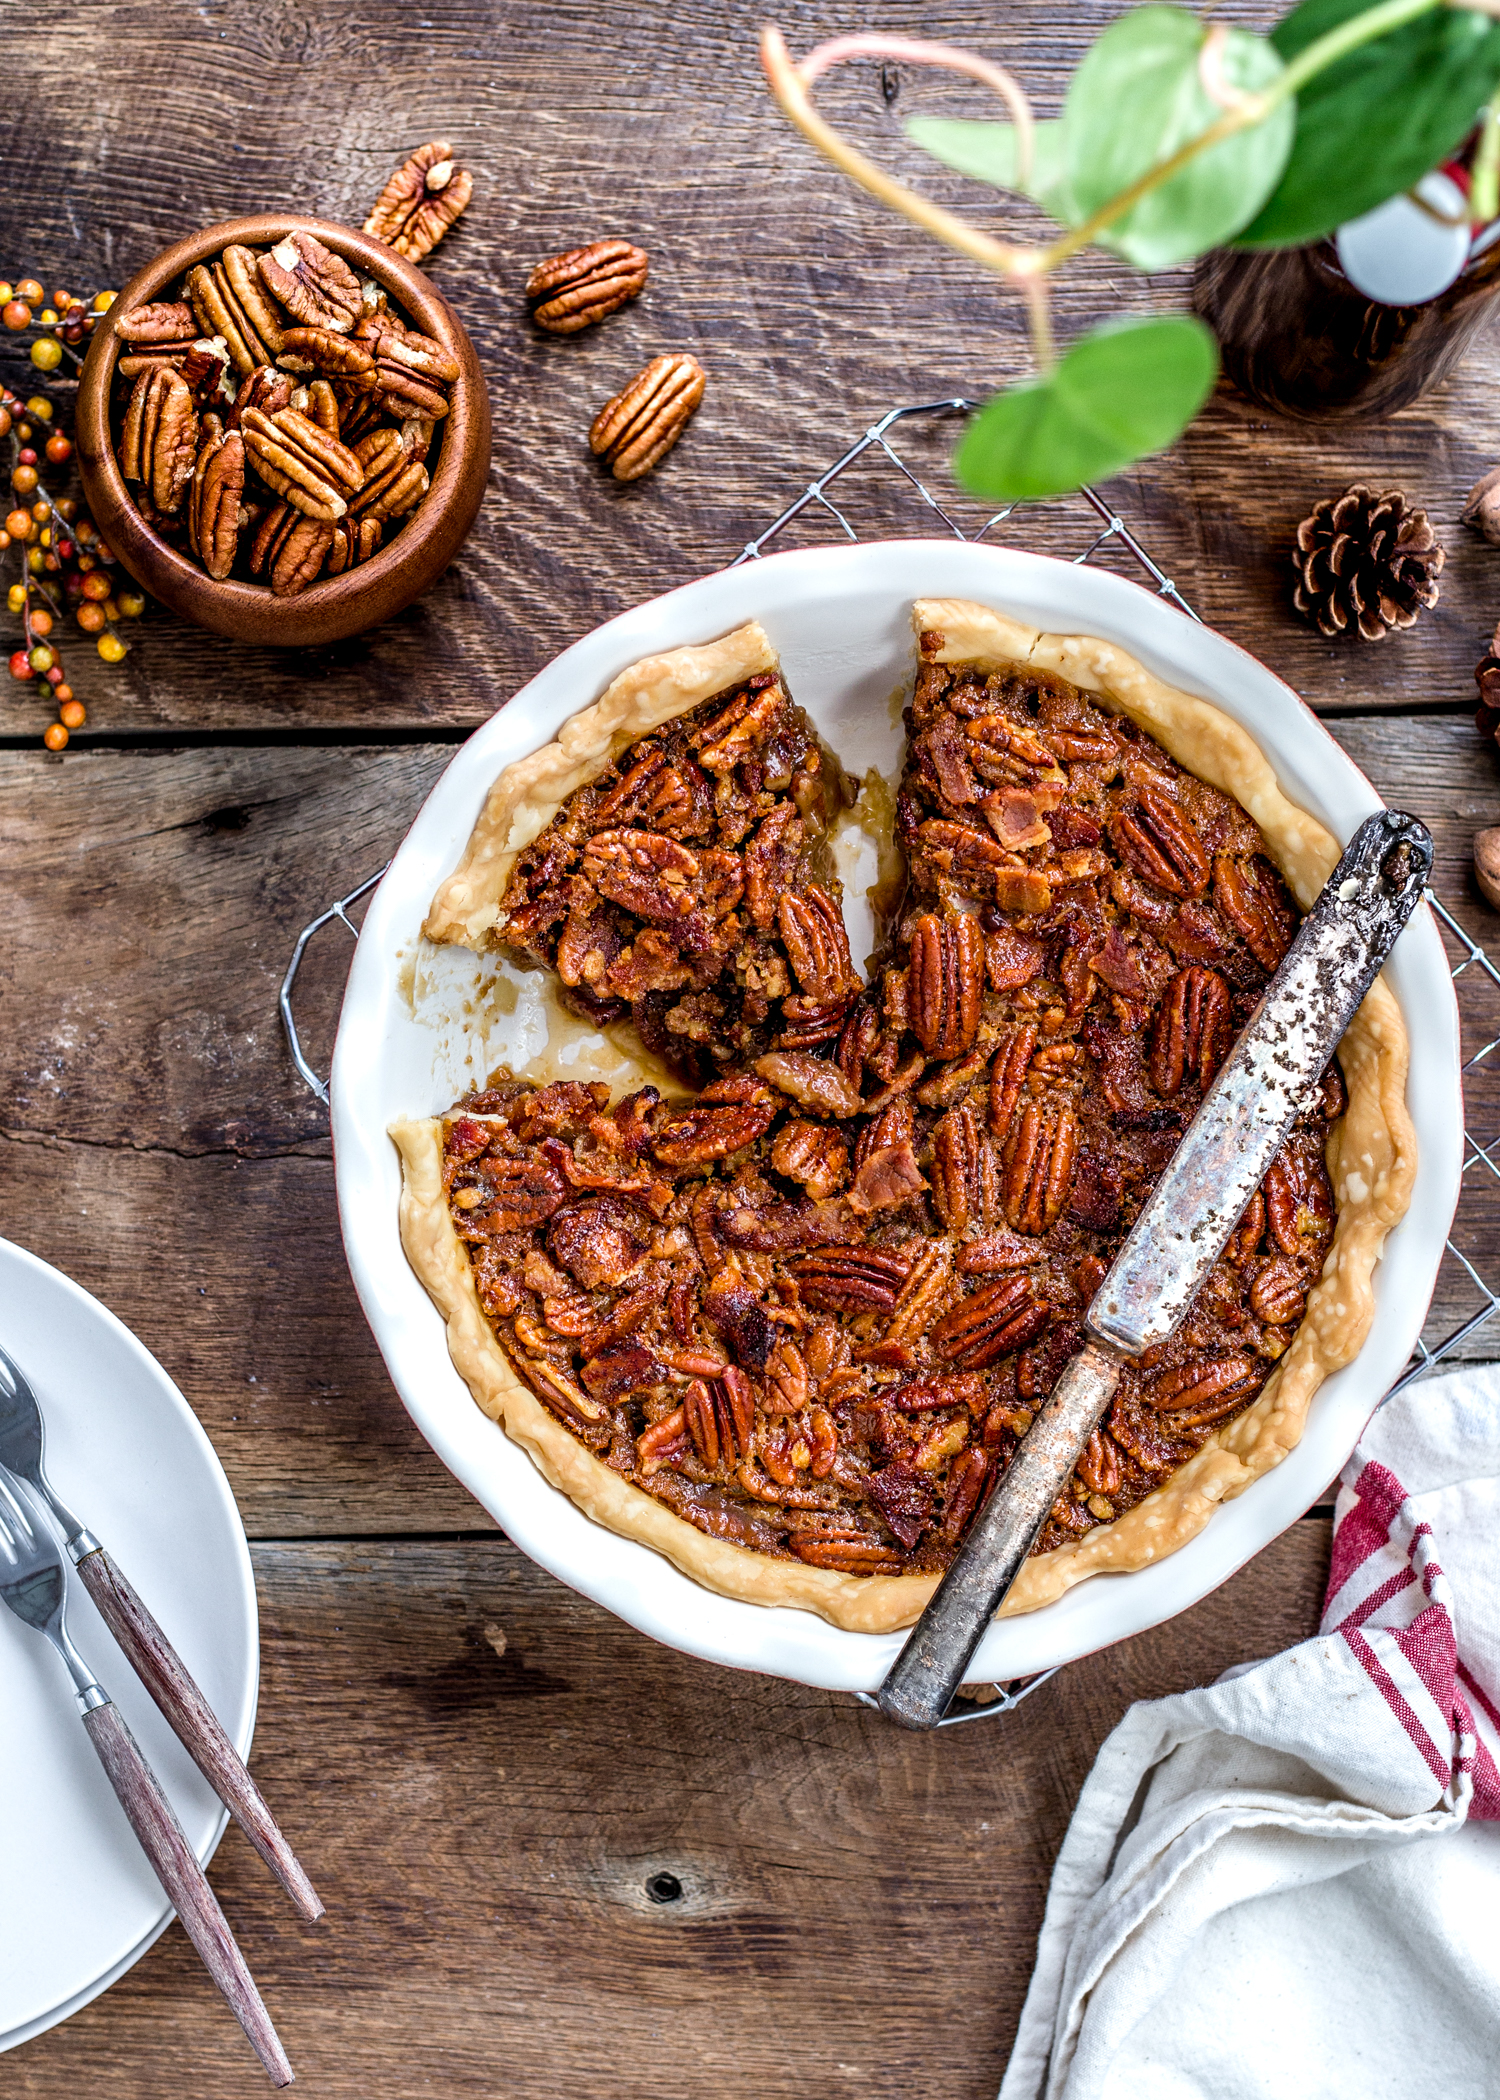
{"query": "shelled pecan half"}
pixel 218 492
pixel 313 471
pixel 327 353
pixel 354 541
pixel 644 421
pixel 584 285
pixel 312 283
pixel 421 201
pixel 164 323
pixel 160 443
pixel 290 549
pixel 266 389
pixel 220 313
pixel 394 482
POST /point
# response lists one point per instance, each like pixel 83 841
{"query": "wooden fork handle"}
pixel 163 1673
pixel 177 1869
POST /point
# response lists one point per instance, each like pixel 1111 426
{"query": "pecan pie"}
pixel 792 1331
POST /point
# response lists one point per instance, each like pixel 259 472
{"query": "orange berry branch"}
pixel 64 566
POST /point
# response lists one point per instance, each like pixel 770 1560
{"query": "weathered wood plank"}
pixel 859 1907
pixel 232 1273
pixel 153 900
pixel 811 309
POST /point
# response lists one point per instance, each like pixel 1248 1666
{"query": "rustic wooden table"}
pixel 481 1770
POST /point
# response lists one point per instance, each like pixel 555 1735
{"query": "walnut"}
pixel 421 201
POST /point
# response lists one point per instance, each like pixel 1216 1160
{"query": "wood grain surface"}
pixel 481 1771
pixel 811 308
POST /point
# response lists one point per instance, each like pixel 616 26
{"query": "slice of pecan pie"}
pixel 791 1332
pixel 686 883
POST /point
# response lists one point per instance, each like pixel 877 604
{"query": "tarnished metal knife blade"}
pixel 1179 1234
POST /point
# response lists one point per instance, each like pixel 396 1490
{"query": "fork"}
pixel 151 1655
pixel 33 1585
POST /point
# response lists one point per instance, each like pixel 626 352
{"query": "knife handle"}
pixel 940 1647
pixel 165 1676
pixel 176 1868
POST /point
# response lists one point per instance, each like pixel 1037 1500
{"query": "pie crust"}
pixel 530 792
pixel 1371 1154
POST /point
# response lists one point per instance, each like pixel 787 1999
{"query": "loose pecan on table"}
pixel 642 423
pixel 574 290
pixel 421 201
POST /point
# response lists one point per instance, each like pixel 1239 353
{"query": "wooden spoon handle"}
pixel 177 1869
pixel 164 1674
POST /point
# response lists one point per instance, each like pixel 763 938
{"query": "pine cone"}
pixel 1365 560
pixel 1487 678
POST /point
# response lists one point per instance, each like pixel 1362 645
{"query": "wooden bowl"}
pixel 338 605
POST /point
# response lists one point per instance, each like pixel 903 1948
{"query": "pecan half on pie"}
pixel 791 1331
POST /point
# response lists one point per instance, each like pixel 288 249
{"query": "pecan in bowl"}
pixel 352 396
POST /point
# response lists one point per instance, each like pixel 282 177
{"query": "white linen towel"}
pixel 1288 1883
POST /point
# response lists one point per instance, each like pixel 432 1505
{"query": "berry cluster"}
pixel 64 565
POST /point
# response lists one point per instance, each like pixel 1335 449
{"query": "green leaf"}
pixel 987 151
pixel 1375 122
pixel 1135 99
pixel 1124 391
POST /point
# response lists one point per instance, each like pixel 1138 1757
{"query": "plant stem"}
pixel 787 86
pixel 1484 177
pixel 1028 265
pixel 1039 315
pixel 917 51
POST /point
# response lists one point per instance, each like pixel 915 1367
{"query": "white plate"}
pixel 78 1902
pixel 411 1038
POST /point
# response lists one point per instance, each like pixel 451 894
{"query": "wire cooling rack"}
pixel 871 492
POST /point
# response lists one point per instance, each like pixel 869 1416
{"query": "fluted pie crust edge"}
pixel 1372 1153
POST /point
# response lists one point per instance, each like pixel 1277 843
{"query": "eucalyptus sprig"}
pixel 1176 136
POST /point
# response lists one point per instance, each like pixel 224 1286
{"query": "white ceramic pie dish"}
pixel 416 1031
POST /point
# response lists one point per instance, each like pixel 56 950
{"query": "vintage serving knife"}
pixel 1179 1235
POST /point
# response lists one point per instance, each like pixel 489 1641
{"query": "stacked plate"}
pixel 80 1904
